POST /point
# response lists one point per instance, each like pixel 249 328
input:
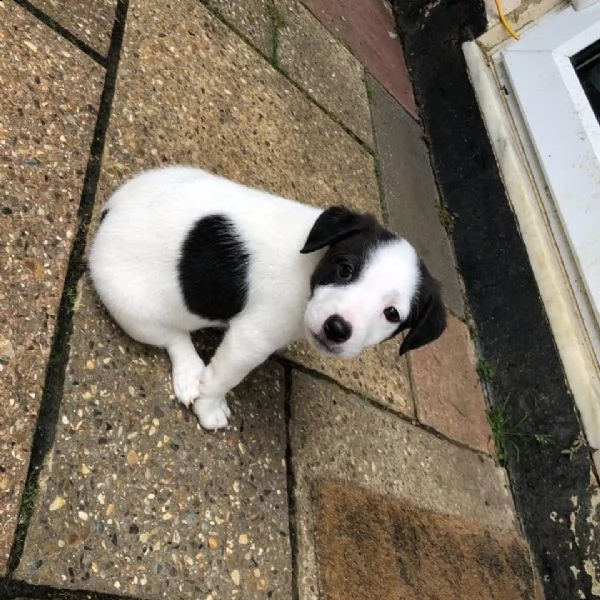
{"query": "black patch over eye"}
pixel 345 271
pixel 391 314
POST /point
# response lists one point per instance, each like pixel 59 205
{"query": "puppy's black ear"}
pixel 427 319
pixel 333 225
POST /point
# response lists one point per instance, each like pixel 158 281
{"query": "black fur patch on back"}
pixel 213 269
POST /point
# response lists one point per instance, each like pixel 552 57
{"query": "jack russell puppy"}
pixel 179 249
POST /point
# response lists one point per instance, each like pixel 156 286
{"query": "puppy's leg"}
pixel 187 366
pixel 239 353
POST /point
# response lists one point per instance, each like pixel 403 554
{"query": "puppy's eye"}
pixel 391 314
pixel 345 271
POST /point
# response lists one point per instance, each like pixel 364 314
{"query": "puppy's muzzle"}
pixel 337 329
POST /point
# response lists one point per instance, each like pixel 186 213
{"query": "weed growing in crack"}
pixel 506 434
pixel 278 22
pixel 27 503
pixel 485 371
pixel 369 89
pixel 447 217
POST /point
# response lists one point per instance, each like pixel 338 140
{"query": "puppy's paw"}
pixel 186 382
pixel 213 413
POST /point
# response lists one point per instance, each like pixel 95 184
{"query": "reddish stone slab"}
pixel 447 390
pixel 367 27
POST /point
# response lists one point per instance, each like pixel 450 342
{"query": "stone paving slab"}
pixel 379 373
pixel 253 18
pixel 190 91
pixel 49 95
pixel 137 499
pixel 448 393
pixel 337 436
pixel 369 30
pixel 410 191
pixel 91 22
pixel 287 33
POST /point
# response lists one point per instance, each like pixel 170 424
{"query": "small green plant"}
pixel 447 217
pixel 504 433
pixel 71 295
pixel 28 501
pixel 377 165
pixel 369 89
pixel 485 370
pixel 277 19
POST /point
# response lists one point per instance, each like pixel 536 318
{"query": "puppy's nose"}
pixel 336 329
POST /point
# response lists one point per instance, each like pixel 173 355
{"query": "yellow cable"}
pixel 504 21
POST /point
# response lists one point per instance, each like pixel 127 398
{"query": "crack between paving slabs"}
pixel 103 61
pixel 291 479
pixel 47 419
pixel 413 421
pixel 16 590
pixel 213 10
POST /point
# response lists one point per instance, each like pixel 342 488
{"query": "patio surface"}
pixel 107 486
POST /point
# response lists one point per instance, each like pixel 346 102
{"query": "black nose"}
pixel 336 329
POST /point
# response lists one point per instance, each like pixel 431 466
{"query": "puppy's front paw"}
pixel 186 382
pixel 213 413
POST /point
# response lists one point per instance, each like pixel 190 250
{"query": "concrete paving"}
pixel 295 42
pixel 89 22
pixel 50 93
pixel 115 490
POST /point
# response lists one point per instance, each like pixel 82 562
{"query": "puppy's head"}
pixel 369 286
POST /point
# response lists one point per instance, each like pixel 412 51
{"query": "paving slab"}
pixel 49 95
pixel 410 192
pixel 253 18
pixel 369 30
pixel 190 91
pixel 337 436
pixel 135 498
pixel 402 552
pixel 378 374
pixel 91 22
pixel 291 37
pixel 448 393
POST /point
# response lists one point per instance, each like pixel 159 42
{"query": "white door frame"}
pixel 564 134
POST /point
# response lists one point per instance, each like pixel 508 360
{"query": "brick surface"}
pixel 367 27
pixel 448 393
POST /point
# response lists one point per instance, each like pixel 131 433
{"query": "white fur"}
pixel 390 279
pixel 133 264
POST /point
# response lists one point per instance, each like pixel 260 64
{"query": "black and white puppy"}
pixel 179 249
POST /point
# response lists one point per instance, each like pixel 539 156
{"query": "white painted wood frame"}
pixel 565 136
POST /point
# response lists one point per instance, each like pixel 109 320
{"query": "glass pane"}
pixel 587 66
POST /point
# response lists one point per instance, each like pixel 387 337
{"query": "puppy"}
pixel 179 249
